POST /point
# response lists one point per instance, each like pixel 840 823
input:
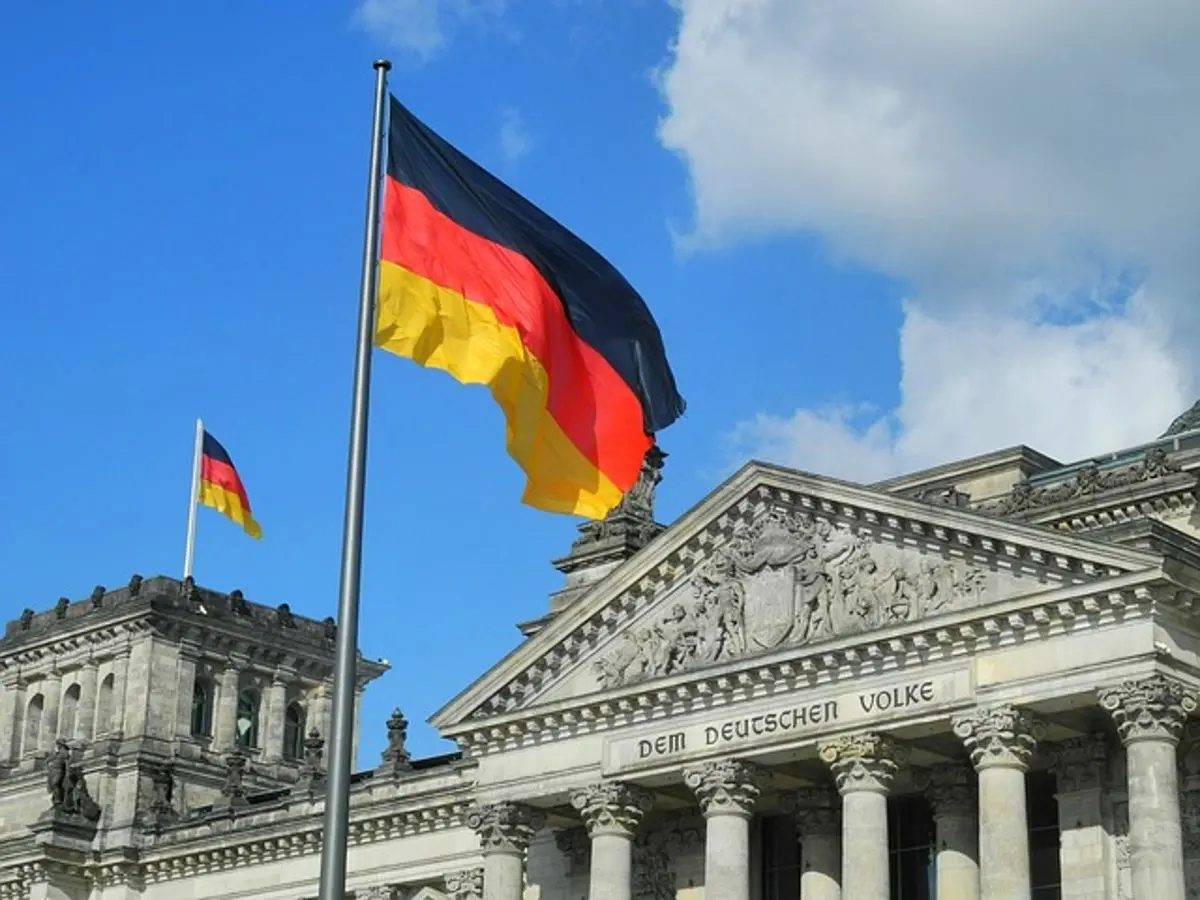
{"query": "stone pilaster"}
pixel 727 791
pixel 115 726
pixel 818 818
pixel 466 884
pixel 612 812
pixel 12 703
pixel 1085 849
pixel 225 726
pixel 1001 741
pixel 952 796
pixel 274 716
pixel 505 831
pixel 864 766
pixel 1150 715
pixel 185 680
pixel 85 715
pixel 51 698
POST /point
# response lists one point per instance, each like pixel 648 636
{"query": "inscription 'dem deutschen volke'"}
pixel 778 724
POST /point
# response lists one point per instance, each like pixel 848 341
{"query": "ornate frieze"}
pixel 612 807
pixel 726 786
pixel 1088 482
pixel 378 892
pixel 466 884
pixel 952 790
pixel 999 736
pixel 1153 708
pixel 789 579
pixel 863 762
pixel 1079 763
pixel 505 827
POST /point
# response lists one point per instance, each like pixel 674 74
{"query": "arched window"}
pixel 293 731
pixel 202 707
pixel 247 718
pixel 33 724
pixel 104 706
pixel 68 714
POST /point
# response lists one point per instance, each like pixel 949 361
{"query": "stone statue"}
pixel 57 766
pixel 69 794
pixel 135 587
pixel 633 517
pixel 61 607
pixel 283 615
pixel 27 615
pixel 395 757
pixel 238 604
pixel 97 596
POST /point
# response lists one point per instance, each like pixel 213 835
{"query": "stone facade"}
pixel 976 682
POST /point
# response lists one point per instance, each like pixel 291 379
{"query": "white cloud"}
pixel 515 139
pixel 1004 158
pixel 421 27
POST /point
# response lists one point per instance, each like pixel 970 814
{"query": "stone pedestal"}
pixel 505 831
pixel 1001 741
pixel 819 827
pixel 612 813
pixel 863 767
pixel 727 791
pixel 951 794
pixel 1150 715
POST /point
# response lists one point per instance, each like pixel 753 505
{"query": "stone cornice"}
pixel 671 557
pixel 1174 495
pixel 1029 618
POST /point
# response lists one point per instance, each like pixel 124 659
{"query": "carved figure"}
pixel 27 615
pixel 238 604
pixel 788 580
pixel 135 588
pixel 61 607
pixel 283 615
pixel 57 765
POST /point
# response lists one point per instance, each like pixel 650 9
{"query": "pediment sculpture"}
pixel 787 580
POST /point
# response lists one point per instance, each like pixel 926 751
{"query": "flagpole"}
pixel 341 737
pixel 190 551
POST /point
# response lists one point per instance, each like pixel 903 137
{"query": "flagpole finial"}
pixel 384 64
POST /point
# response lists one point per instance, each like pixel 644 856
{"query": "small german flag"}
pixel 221 487
pixel 478 282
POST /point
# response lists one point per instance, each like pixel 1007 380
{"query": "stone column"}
pixel 115 726
pixel 727 791
pixel 612 812
pixel 276 711
pixel 51 697
pixel 225 726
pixel 85 715
pixel 505 831
pixel 819 826
pixel 186 681
pixel 1150 715
pixel 863 767
pixel 1001 741
pixel 951 794
pixel 12 704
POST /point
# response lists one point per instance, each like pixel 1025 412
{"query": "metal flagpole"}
pixel 341 737
pixel 190 551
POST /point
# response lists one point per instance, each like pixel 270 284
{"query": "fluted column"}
pixel 85 715
pixel 819 825
pixel 863 767
pixel 1150 715
pixel 505 831
pixel 612 812
pixel 1001 741
pixel 727 791
pixel 951 794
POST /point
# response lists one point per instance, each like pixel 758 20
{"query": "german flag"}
pixel 478 282
pixel 221 487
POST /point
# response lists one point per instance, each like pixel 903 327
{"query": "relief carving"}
pixel 788 580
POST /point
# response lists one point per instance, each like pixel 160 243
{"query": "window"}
pixel 293 731
pixel 1041 806
pixel 202 707
pixel 247 719
pixel 104 707
pixel 913 867
pixel 780 859
pixel 33 723
pixel 69 713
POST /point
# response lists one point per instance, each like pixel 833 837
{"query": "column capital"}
pixel 952 790
pixel 863 762
pixel 1149 709
pixel 466 884
pixel 999 736
pixel 612 807
pixel 726 787
pixel 505 827
pixel 816 811
pixel 1079 763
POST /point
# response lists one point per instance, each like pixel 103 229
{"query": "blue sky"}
pixel 180 231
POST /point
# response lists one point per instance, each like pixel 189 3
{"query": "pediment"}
pixel 775 560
